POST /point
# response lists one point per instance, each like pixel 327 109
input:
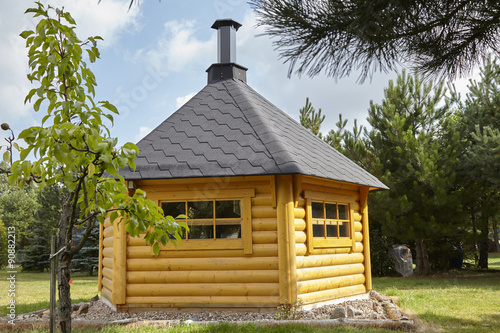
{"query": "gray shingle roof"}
pixel 228 129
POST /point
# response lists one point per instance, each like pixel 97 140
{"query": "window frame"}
pixel 317 243
pixel 244 243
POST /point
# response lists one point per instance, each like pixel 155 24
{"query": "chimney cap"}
pixel 226 22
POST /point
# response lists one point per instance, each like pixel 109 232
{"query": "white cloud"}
pixel 109 19
pixel 143 131
pixel 180 101
pixel 177 49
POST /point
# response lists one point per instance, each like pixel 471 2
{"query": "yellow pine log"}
pixel 299 212
pixel 358 226
pixel 99 267
pixel 107 283
pixel 300 249
pixel 312 273
pixel 263 212
pixel 328 183
pixel 358 247
pixel 300 237
pixel 207 264
pixel 107 252
pixel 300 225
pixel 259 250
pixel 205 189
pixel 358 236
pixel 329 251
pixel 119 263
pixel 108 242
pixel 215 182
pixel 329 260
pixel 263 199
pixel 255 276
pixel 264 224
pixel 286 237
pixel 106 293
pixel 107 262
pixel 357 216
pixel 301 202
pixel 108 232
pixel 107 223
pixel 204 301
pixel 348 191
pixel 107 273
pixel 305 287
pixel 191 289
pixel 331 294
pixel 265 237
pixel 366 241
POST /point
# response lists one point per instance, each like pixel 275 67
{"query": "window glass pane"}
pixel 344 229
pixel 331 211
pixel 228 229
pixel 317 210
pixel 200 209
pixel 319 229
pixel 201 230
pixel 227 209
pixel 343 212
pixel 174 209
pixel 331 229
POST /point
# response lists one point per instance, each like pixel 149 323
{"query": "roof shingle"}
pixel 228 129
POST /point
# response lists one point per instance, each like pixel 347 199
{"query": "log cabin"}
pixel 275 214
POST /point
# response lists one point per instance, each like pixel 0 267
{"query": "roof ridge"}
pixel 256 111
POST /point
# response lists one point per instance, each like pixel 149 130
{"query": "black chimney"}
pixel 226 66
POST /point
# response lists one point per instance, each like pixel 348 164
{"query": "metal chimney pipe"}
pixel 226 40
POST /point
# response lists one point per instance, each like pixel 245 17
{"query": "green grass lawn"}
pixel 458 301
pixel 33 290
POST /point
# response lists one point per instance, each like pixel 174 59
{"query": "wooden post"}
pixel 119 263
pixel 101 248
pixel 53 272
pixel 286 238
pixel 363 201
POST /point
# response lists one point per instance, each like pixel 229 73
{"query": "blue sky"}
pixel 154 57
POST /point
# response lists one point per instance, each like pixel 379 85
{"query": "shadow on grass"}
pixel 454 324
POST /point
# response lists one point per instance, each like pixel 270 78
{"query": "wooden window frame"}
pixel 244 243
pixel 323 243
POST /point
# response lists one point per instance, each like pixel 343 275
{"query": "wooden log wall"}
pixel 328 273
pixel 106 260
pixel 213 276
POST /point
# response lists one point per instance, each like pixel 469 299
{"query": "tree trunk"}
pixel 483 243
pixel 64 236
pixel 495 234
pixel 423 265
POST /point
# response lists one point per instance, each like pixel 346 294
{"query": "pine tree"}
pixel 88 257
pixel 417 165
pixel 36 256
pixel 479 169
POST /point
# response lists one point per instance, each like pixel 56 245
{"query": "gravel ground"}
pixel 376 307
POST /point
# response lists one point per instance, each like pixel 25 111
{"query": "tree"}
pixel 417 164
pixel 480 162
pixel 4 255
pixel 48 212
pixel 442 37
pixel 310 119
pixel 74 149
pixel 88 257
pixel 17 209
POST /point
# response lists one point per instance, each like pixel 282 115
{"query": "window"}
pixel 329 220
pixel 211 219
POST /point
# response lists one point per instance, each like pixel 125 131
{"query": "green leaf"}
pixel 6 157
pixel 91 170
pixel 156 249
